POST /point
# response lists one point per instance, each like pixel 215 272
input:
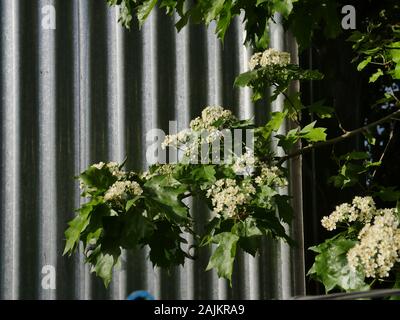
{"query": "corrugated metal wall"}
pixel 89 91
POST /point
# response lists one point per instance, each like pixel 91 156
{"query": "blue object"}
pixel 140 295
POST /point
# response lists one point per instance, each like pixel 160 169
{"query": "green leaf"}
pixel 264 197
pixel 249 235
pixel 395 52
pixel 398 209
pixel 284 7
pixel 132 202
pixel 370 138
pixel 312 134
pixel 247 228
pixel 349 172
pixel 72 234
pixel 245 78
pixel 315 135
pixel 376 76
pixel 388 194
pixel 356 36
pixel 213 11
pixel 99 179
pixel 165 245
pixel 203 175
pixel 274 124
pixel 396 286
pixel 78 225
pixel 167 193
pixel 370 164
pixel 269 223
pixel 293 105
pixel 320 110
pixel 94 230
pixel 331 267
pixel 364 63
pixel 338 181
pixel 104 264
pixel 288 141
pixel 355 155
pixel 314 17
pixel 396 73
pixel 144 10
pixel 243 124
pixel 224 255
pixel 135 227
pixel 285 210
pixel 224 20
pixel 209 231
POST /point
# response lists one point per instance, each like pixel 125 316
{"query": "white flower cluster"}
pixel 175 140
pixel 269 57
pixel 271 176
pixel 379 246
pixel 203 129
pixel 362 209
pixel 113 167
pixel 163 169
pixel 244 165
pixel 227 196
pixel 210 116
pixel 120 189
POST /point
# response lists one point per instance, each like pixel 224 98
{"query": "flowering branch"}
pixel 338 139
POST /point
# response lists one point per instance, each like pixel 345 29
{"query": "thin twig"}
pixel 386 148
pixel 292 104
pixel 340 123
pixel 340 138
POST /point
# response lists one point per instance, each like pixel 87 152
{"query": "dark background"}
pixel 349 93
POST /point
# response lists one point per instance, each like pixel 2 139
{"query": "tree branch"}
pixel 340 138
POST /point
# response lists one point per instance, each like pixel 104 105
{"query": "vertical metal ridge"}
pixel 83 121
pixel 149 119
pixel 47 157
pixel 67 139
pixel 116 115
pixel 249 273
pixel 214 66
pixel 182 116
pixel 215 97
pixel 10 173
pixel 281 250
pixel 123 291
pixel 296 191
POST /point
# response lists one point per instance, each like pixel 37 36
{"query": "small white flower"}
pixel 361 209
pixel 244 165
pixel 99 165
pixel 270 57
pixel 115 171
pixel 210 116
pixel 255 60
pixel 120 189
pixel 379 246
pixel 271 176
pixel 227 197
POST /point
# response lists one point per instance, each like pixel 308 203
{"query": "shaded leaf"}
pixel 274 124
pixel 144 10
pixel 332 269
pixel 224 255
pixel 245 78
pixel 321 110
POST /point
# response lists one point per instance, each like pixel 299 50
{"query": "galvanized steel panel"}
pixel 88 91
